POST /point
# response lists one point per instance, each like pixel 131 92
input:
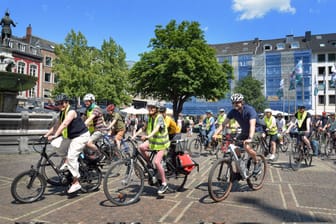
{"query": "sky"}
pixel 131 23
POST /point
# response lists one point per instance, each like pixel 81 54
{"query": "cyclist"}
pixel 303 123
pixel 156 139
pixel 210 127
pixel 271 130
pixel 220 118
pixel 70 125
pixel 174 131
pixel 117 125
pixel 281 124
pixel 94 120
pixel 246 117
pixel 331 127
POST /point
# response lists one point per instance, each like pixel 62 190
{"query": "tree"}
pixel 252 92
pixel 180 65
pixel 81 69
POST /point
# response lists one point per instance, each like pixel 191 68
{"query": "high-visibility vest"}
pixel 160 140
pixel 89 112
pixel 62 117
pixel 268 122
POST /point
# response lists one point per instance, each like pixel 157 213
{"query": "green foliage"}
pixel 81 69
pixel 180 65
pixel 252 91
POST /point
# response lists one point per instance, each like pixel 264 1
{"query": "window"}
pixel 47 77
pixel 267 47
pixel 332 57
pixel 321 58
pixel 46 93
pixel 33 70
pixel 48 61
pixel 280 46
pixel 295 45
pixel 32 92
pixel 55 78
pixel 321 99
pixel 21 67
pixel 321 70
pixel 331 99
pixel 33 50
pixel 21 47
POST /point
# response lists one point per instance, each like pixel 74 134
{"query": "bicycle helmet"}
pixel 89 97
pixel 62 97
pixel 208 112
pixel 279 115
pixel 221 110
pixel 110 108
pixel 153 104
pixel 162 109
pixel 268 110
pixel 237 97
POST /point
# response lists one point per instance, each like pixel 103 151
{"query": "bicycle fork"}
pixel 129 171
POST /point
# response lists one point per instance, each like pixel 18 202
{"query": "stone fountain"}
pixel 11 83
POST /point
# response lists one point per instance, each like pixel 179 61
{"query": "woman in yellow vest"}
pixel 271 130
pixel 156 138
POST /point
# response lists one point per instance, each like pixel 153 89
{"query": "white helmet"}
pixel 154 104
pixel 89 97
pixel 268 110
pixel 237 97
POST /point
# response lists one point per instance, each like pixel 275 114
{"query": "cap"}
pixel 208 112
pixel 301 107
pixel 268 110
pixel 221 110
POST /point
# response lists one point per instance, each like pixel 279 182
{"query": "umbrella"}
pixel 129 110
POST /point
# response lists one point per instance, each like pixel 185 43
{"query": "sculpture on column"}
pixel 6 23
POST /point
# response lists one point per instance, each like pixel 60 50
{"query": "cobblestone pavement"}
pixel 307 195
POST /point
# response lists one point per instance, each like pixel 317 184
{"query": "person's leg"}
pixel 143 150
pixel 119 136
pixel 157 162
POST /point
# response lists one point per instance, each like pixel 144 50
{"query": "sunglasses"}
pixel 58 103
pixel 236 102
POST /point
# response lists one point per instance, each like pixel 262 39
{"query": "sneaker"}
pixel 74 187
pixel 64 166
pixel 272 157
pixel 163 188
pixel 257 168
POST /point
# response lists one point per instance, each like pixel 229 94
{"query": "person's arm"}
pixel 53 128
pixel 70 116
pixel 89 119
pixel 221 127
pixel 253 122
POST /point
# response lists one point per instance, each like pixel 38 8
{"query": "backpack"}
pixel 185 162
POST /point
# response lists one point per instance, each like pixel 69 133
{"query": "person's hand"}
pixel 247 141
pixel 144 138
pixel 214 137
pixel 51 137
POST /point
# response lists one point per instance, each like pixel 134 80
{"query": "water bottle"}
pixel 81 155
pixel 152 175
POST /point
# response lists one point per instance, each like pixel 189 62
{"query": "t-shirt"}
pixel 243 118
pixel 120 124
pixel 173 128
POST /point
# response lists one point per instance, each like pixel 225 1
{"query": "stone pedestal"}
pixel 8 101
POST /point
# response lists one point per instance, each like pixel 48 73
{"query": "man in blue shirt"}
pixel 246 116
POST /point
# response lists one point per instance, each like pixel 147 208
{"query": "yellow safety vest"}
pixel 268 122
pixel 301 117
pixel 62 116
pixel 88 114
pixel 160 140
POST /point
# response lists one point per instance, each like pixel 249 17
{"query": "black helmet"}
pixel 62 97
pixel 162 109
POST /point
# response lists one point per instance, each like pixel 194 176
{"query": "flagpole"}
pixel 324 91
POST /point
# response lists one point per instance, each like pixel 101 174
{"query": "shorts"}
pixel 95 136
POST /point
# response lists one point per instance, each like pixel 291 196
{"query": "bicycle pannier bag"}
pixel 185 162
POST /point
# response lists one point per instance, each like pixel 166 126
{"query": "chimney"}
pixel 308 35
pixel 28 34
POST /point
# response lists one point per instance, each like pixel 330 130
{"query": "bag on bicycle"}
pixel 185 162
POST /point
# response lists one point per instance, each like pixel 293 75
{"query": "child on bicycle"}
pixel 156 139
pixel 271 130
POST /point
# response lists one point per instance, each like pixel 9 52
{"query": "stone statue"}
pixel 6 23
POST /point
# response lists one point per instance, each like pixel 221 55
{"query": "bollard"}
pixel 23 144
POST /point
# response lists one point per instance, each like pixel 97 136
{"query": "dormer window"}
pixel 267 47
pixel 280 46
pixel 295 45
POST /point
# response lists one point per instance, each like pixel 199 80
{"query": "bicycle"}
pixel 298 154
pixel 197 144
pixel 330 144
pixel 124 180
pixel 29 186
pixel 225 171
pixel 108 147
pixel 264 146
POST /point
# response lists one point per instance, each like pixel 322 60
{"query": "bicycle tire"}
pixel 295 158
pixel 20 186
pixel 123 182
pixel 308 160
pixel 49 173
pixel 90 179
pixel 195 147
pixel 256 181
pixel 277 152
pixel 220 179
pixel 214 147
pixel 176 178
pixel 328 147
pixel 285 145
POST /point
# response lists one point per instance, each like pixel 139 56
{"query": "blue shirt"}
pixel 243 118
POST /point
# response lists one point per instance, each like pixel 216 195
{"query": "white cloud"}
pixel 251 9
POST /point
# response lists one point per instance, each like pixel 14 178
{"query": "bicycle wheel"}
pixel 47 170
pixel 328 147
pixel 308 160
pixel 28 186
pixel 214 147
pixel 90 178
pixel 295 158
pixel 277 151
pixel 256 181
pixel 195 147
pixel 286 143
pixel 176 178
pixel 123 182
pixel 220 179
pixel 127 148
